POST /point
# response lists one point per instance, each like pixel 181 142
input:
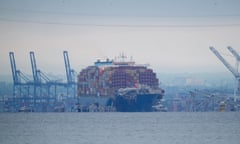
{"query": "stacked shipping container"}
pixel 105 78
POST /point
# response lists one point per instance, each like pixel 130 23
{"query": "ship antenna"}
pixel 123 57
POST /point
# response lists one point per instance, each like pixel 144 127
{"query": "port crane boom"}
pixel 15 72
pixel 234 52
pixel 234 71
pixel 69 71
pixel 18 77
pixel 36 78
pixel 229 67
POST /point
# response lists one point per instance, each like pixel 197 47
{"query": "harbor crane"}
pixel 233 70
pixel 39 92
pixel 21 87
pixel 41 80
pixel 37 78
pixel 20 80
pixel 70 74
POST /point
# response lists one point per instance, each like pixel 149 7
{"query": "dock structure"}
pixel 205 101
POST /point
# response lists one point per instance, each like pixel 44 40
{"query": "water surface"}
pixel 120 128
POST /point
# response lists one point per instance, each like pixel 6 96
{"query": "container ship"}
pixel 121 83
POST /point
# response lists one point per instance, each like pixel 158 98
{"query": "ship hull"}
pixel 140 103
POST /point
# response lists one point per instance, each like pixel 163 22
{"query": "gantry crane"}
pixel 233 70
pixel 20 80
pixel 21 85
pixel 70 74
pixel 39 88
pixel 42 82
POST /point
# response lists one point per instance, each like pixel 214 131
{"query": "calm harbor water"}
pixel 120 128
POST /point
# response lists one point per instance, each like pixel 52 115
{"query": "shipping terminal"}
pixel 107 85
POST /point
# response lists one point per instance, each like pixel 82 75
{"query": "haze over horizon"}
pixel 170 35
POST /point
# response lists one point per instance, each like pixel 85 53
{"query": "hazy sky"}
pixel 170 35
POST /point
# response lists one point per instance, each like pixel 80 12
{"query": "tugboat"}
pixel 25 109
pixel 159 107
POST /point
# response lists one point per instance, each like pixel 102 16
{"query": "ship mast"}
pixel 122 57
pixel 122 60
